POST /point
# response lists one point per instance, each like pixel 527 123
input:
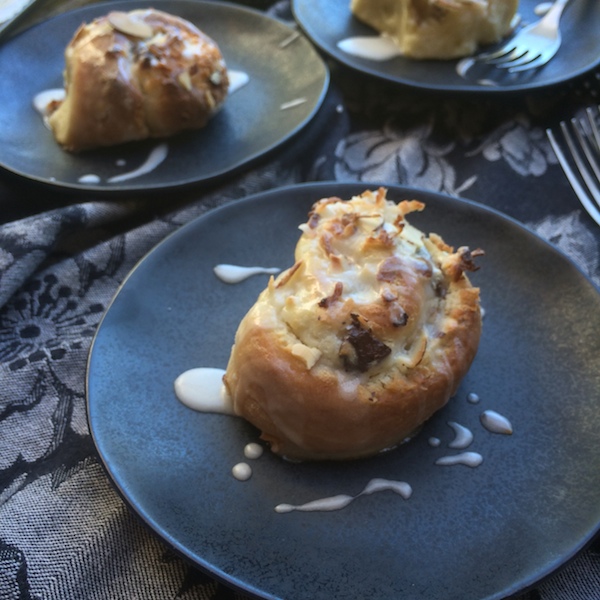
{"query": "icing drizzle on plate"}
pixel 235 273
pixel 378 48
pixel 342 500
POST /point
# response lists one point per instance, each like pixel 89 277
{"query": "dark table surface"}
pixel 64 531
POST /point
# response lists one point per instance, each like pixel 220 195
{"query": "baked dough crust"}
pixel 365 337
pixel 438 29
pixel 137 75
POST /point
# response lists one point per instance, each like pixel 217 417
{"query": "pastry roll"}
pixel 438 29
pixel 365 337
pixel 136 75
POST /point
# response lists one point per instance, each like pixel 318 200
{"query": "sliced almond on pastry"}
pixel 129 25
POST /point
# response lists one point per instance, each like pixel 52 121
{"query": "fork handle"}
pixel 553 15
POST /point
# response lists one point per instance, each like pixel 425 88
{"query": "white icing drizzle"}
pixel 242 471
pixel 515 22
pixel 46 97
pixel 324 504
pixel 237 80
pixel 434 442
pixel 253 451
pixel 379 48
pixel 342 500
pixel 488 82
pixel 470 459
pixel 90 178
pixel 463 436
pixel 292 103
pixel 154 159
pixel 496 423
pixel 473 398
pixel 202 389
pixel 464 65
pixel 157 156
pixel 235 273
pixel 542 8
pixel 380 485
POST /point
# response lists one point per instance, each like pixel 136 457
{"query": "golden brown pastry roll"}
pixel 369 333
pixel 136 75
pixel 438 29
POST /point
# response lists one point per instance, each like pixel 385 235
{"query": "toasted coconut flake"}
pixel 287 275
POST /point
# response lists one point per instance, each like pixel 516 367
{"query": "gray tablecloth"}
pixel 64 531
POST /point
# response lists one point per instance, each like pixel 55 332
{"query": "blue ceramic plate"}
pixel 327 22
pixel 250 125
pixel 465 533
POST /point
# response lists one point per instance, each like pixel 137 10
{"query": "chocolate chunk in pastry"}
pixel 363 339
pixel 438 29
pixel 137 75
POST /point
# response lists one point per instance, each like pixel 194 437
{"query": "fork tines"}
pixel 514 59
pixel 582 164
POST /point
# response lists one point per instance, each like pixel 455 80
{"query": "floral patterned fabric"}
pixel 64 531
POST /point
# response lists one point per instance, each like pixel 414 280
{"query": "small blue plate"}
pixel 250 125
pixel 327 22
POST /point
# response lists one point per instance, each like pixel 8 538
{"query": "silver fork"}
pixel 584 149
pixel 533 46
